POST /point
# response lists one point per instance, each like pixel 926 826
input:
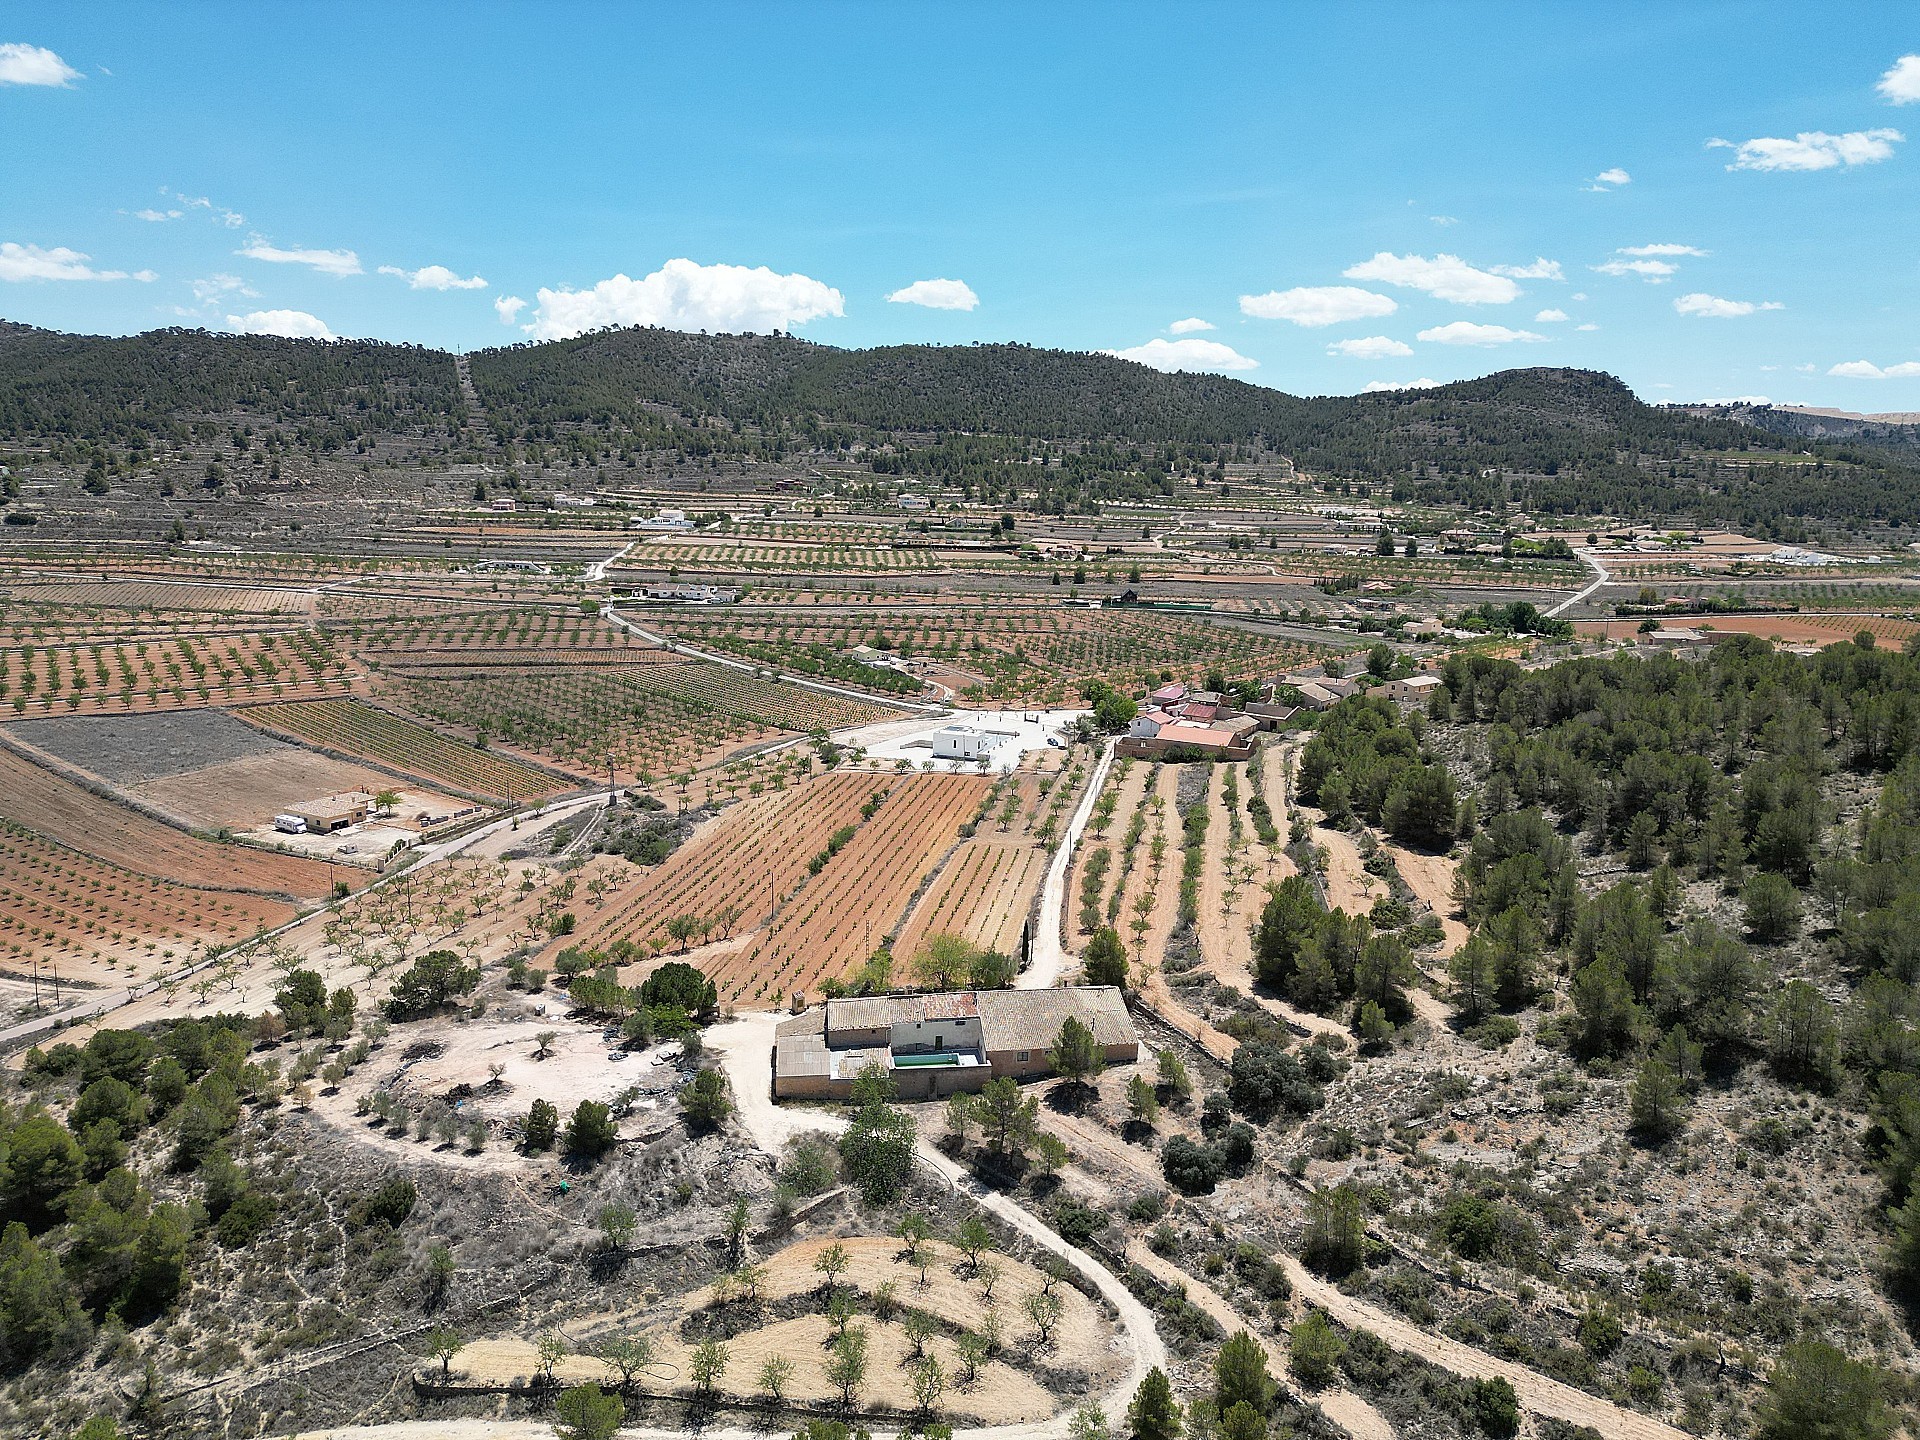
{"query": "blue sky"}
pixel 1347 195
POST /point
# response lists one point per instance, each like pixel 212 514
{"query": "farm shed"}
pixel 333 812
pixel 935 1045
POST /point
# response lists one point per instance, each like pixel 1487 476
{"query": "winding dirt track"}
pixel 1343 1407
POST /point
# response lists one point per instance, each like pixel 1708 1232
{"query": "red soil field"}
pixel 845 912
pixel 61 909
pixel 754 852
pixel 1789 629
pixel 40 801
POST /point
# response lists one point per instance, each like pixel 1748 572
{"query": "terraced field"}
pixel 89 917
pixel 1027 652
pixel 656 717
pixel 847 911
pixel 38 800
pixel 181 669
pixel 752 857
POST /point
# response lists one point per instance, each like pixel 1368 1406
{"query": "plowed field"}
pixel 41 801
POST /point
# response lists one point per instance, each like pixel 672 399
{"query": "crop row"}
pixel 56 905
pixel 753 858
pixel 852 906
pixel 581 718
pixel 356 729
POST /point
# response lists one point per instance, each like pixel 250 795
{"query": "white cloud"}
pixel 1189 325
pixel 1316 305
pixel 327 262
pixel 507 307
pixel 1541 269
pixel 1714 308
pixel 1901 84
pixel 34 65
pixel 1550 317
pixel 434 277
pixel 936 295
pixel 1654 270
pixel 1664 249
pixel 1380 387
pixel 1444 219
pixel 296 324
pixel 1812 150
pixel 157 217
pixel 1588 326
pixel 1371 347
pixel 218 287
pixel 1465 332
pixel 30 262
pixel 1610 179
pixel 681 295
pixel 1186 355
pixel 1867 370
pixel 232 219
pixel 1445 277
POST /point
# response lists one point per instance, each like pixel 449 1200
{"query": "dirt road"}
pixel 1049 955
pixel 1343 1407
pixel 1538 1393
pixel 746 1046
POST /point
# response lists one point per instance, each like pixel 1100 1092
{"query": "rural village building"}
pixel 1415 689
pixel 934 1045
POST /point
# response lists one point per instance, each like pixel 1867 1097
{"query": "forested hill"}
pixel 1576 440
pixel 129 392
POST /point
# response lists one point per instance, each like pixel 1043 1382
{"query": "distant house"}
pixel 666 520
pixel 332 812
pixel 934 1045
pixel 1315 695
pixel 1145 727
pixel 1218 742
pixel 912 502
pixel 1415 689
pixel 689 594
pixel 501 502
pixel 1169 694
pixel 965 742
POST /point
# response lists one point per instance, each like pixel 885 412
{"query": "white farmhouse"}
pixel 965 742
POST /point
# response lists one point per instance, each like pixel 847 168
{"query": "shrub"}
pixel 1189 1168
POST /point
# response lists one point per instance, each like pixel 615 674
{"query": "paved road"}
pixel 1600 578
pixel 1049 956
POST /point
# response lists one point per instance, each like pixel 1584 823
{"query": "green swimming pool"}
pixel 901 1062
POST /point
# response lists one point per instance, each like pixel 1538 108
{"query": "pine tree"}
pixel 1154 1414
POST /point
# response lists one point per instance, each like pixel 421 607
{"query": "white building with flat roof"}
pixel 965 742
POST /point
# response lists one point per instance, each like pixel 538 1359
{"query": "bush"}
pixel 591 1132
pixel 1191 1169
pixel 542 1125
pixel 389 1205
pixel 1077 1223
